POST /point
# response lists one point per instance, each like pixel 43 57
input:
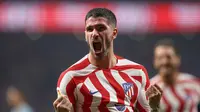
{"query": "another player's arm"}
pixel 148 102
pixel 65 101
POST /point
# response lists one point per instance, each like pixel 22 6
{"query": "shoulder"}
pixel 79 65
pixel 129 64
pixel 186 77
pixel 155 79
pixel 133 69
pixel 73 70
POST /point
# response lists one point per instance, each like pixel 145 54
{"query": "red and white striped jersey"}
pixel 92 89
pixel 182 97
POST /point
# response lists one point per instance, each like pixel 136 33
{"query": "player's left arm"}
pixel 149 96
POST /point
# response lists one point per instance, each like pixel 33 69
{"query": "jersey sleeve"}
pixel 142 101
pixel 66 86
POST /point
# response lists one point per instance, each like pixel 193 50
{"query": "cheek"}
pixel 156 63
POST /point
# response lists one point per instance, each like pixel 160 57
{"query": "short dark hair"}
pixel 169 43
pixel 102 12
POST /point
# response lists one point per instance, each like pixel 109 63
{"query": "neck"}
pixel 169 79
pixel 108 61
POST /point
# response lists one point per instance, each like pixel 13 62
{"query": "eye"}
pixel 101 28
pixel 89 29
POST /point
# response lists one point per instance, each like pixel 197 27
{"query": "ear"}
pixel 115 31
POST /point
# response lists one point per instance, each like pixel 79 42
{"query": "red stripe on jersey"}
pixel 140 108
pixel 87 98
pixel 169 108
pixel 189 92
pixel 70 92
pixel 126 110
pixel 135 88
pixel 192 106
pixel 119 57
pixel 147 78
pixel 189 81
pixel 117 87
pixel 105 95
pixel 124 67
pixel 181 101
pixel 138 78
pixel 78 66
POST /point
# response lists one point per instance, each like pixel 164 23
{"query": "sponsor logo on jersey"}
pixel 120 107
pixel 93 92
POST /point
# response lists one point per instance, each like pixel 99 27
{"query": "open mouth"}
pixel 97 47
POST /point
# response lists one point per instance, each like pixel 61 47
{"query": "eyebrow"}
pixel 95 25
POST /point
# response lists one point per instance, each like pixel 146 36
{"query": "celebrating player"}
pixel 102 81
pixel 181 91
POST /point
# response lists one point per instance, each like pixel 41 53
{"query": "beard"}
pixel 167 70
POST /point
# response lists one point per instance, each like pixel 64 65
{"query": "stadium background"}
pixel 36 49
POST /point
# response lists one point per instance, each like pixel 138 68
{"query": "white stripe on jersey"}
pixel 102 79
pixel 132 72
pixel 186 76
pixel 66 79
pixel 122 62
pixel 144 103
pixel 120 80
pixel 164 107
pixel 171 99
pixel 96 97
pixel 90 68
pixel 180 91
pixel 137 72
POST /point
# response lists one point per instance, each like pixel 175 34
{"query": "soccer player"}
pixel 181 91
pixel 16 100
pixel 102 81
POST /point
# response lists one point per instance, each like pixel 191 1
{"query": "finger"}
pixel 149 91
pixel 64 106
pixel 158 87
pixel 57 101
pixel 156 90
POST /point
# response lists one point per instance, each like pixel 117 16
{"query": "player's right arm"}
pixel 65 101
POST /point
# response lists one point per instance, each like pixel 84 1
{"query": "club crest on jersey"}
pixel 128 89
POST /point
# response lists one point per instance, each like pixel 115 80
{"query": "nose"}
pixel 95 34
pixel 165 60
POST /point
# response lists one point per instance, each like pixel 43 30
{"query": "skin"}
pixel 14 97
pixel 166 62
pixel 98 30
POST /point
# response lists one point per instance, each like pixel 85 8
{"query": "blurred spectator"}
pixel 181 91
pixel 16 100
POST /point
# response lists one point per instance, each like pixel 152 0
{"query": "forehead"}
pixel 95 21
pixel 164 50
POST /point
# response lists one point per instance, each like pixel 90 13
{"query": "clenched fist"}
pixel 62 104
pixel 154 93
